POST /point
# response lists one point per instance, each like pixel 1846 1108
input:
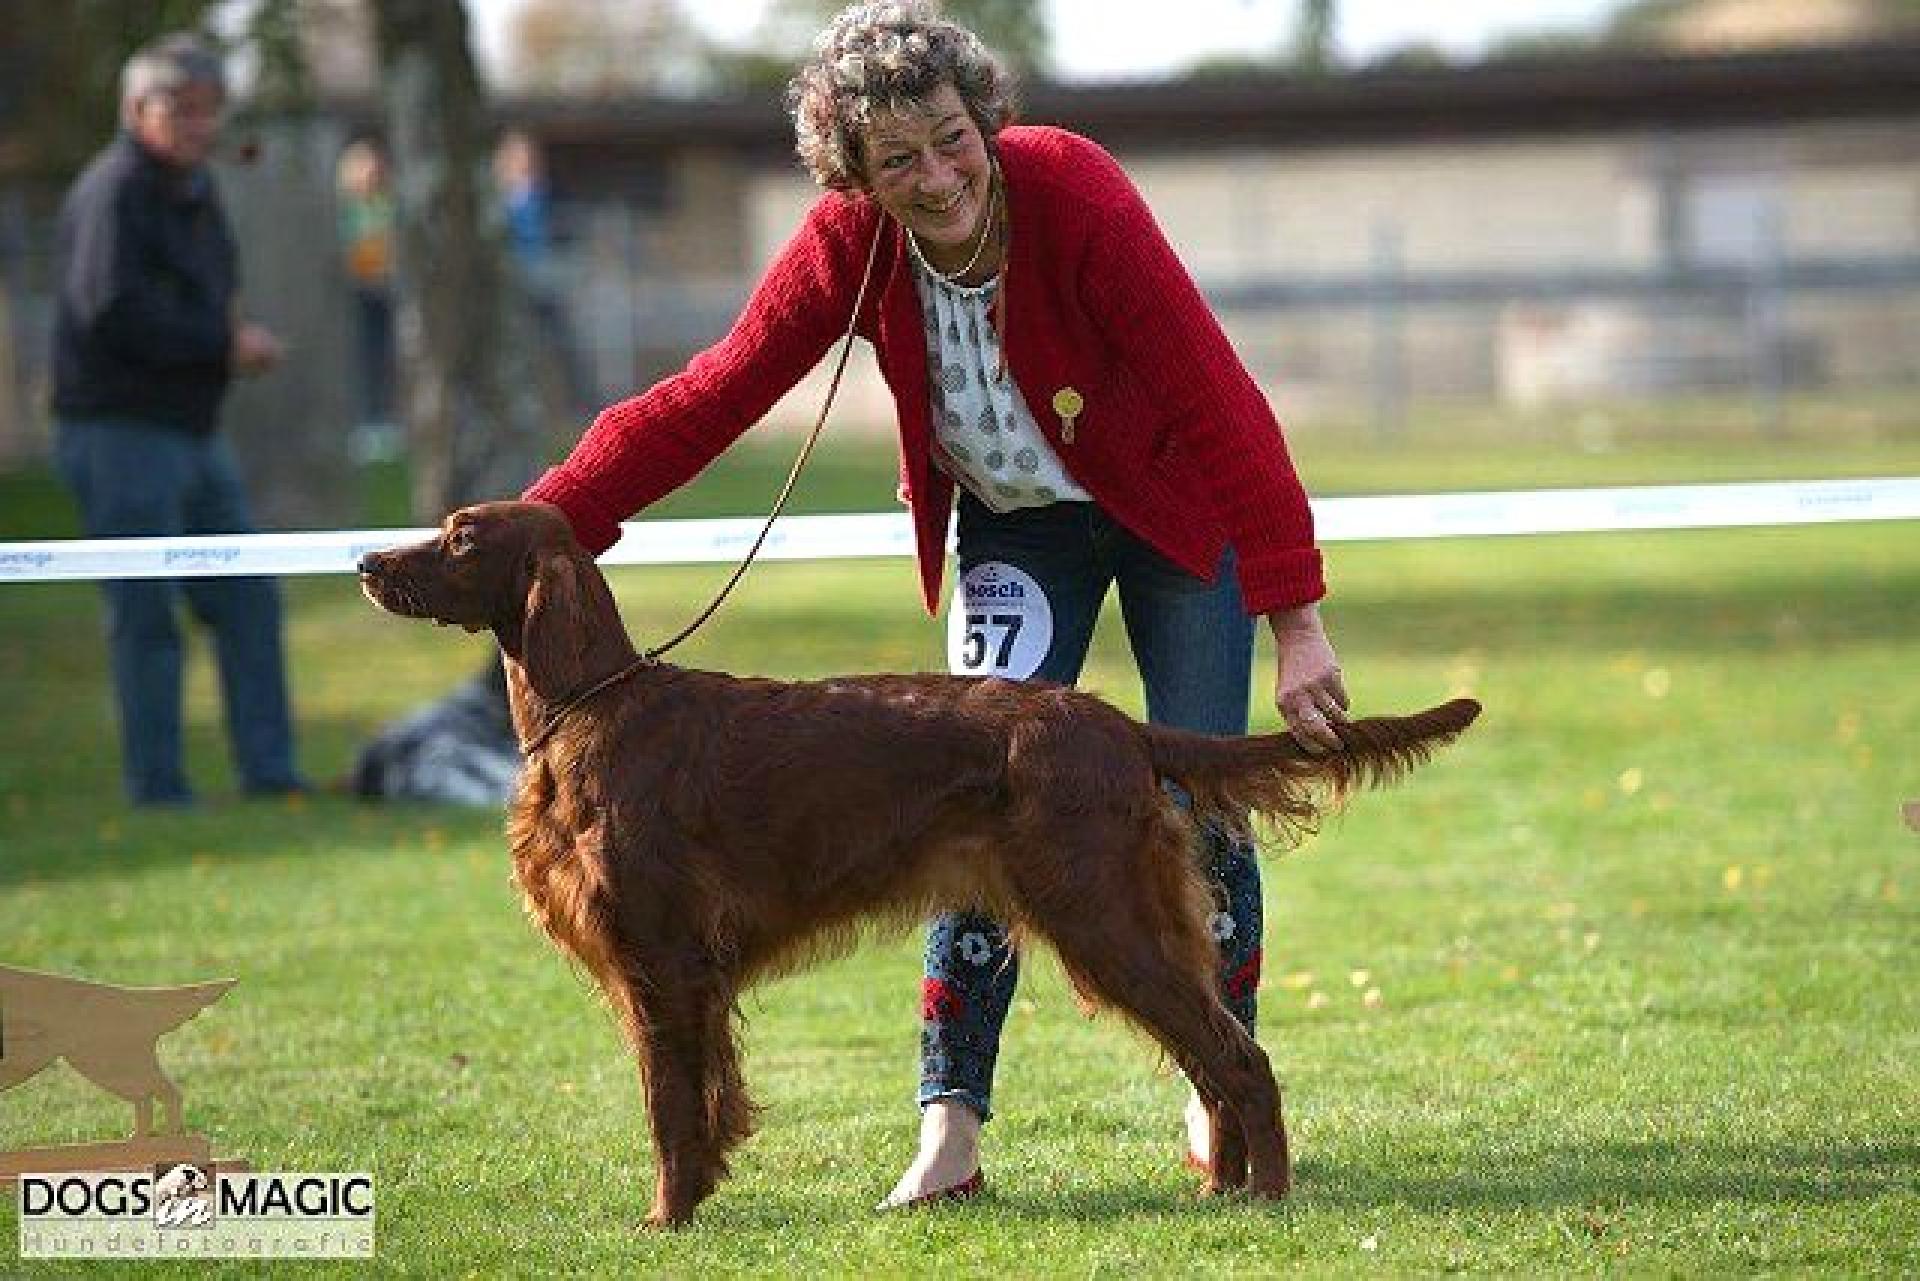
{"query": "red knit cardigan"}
pixel 1174 439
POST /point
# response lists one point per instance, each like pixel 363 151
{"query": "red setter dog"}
pixel 685 833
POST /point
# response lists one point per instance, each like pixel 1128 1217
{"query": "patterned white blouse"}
pixel 987 437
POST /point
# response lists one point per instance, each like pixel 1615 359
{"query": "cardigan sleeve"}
pixel 1154 318
pixel 641 449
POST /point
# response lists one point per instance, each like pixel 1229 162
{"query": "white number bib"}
pixel 998 623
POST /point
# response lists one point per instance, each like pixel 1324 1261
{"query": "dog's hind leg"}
pixel 1144 950
pixel 132 1073
pixel 1226 1066
pixel 167 1095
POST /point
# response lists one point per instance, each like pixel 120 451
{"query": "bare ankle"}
pixel 947 1124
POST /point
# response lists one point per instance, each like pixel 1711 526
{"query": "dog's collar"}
pixel 572 704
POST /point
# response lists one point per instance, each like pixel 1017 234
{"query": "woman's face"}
pixel 928 167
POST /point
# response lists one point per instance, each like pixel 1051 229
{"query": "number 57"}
pixel 973 651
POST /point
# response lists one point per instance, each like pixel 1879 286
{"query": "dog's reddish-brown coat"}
pixel 686 833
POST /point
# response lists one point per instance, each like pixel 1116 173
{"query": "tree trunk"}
pixel 469 392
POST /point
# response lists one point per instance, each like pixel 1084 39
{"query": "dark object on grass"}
pixel 458 751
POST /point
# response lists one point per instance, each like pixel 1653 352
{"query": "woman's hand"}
pixel 1307 689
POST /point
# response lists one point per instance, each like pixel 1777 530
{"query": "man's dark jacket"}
pixel 143 328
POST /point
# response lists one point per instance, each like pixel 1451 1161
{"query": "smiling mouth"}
pixel 951 203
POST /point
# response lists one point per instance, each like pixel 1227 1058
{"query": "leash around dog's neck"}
pixel 806 450
pixel 651 658
pixel 558 715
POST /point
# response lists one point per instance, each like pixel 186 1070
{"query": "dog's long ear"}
pixel 553 631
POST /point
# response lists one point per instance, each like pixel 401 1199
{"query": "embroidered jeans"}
pixel 1031 586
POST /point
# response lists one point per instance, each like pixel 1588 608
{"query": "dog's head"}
pixel 182 1180
pixel 484 571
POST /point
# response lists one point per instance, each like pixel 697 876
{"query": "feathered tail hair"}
pixel 1273 776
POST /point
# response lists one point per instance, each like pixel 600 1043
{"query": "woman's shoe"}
pixel 965 1190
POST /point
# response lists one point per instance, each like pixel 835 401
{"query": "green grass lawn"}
pixel 1644 942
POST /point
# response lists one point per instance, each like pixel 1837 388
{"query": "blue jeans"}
pixel 1031 586
pixel 137 479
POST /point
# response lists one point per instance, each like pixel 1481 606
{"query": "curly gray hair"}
pixel 887 55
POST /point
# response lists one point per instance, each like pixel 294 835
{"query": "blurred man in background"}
pixel 147 338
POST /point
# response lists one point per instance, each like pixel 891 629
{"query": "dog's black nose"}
pixel 367 565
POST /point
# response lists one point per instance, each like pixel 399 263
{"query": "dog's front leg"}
pixel 671 1033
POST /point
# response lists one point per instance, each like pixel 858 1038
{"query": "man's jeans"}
pixel 1030 590
pixel 145 480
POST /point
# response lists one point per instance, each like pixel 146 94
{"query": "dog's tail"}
pixel 1273 776
pixel 161 1009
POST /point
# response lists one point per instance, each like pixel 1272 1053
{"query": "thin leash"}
pixel 559 714
pixel 651 657
pixel 806 451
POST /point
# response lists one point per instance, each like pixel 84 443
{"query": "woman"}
pixel 1049 357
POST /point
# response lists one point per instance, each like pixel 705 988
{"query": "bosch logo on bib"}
pixel 995 582
pixel 998 624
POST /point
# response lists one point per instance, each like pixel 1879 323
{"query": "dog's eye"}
pixel 460 541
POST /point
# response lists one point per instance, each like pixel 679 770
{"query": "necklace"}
pixel 979 247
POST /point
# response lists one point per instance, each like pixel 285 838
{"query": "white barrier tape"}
pixel 654 542
pixel 658 542
pixel 1570 511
